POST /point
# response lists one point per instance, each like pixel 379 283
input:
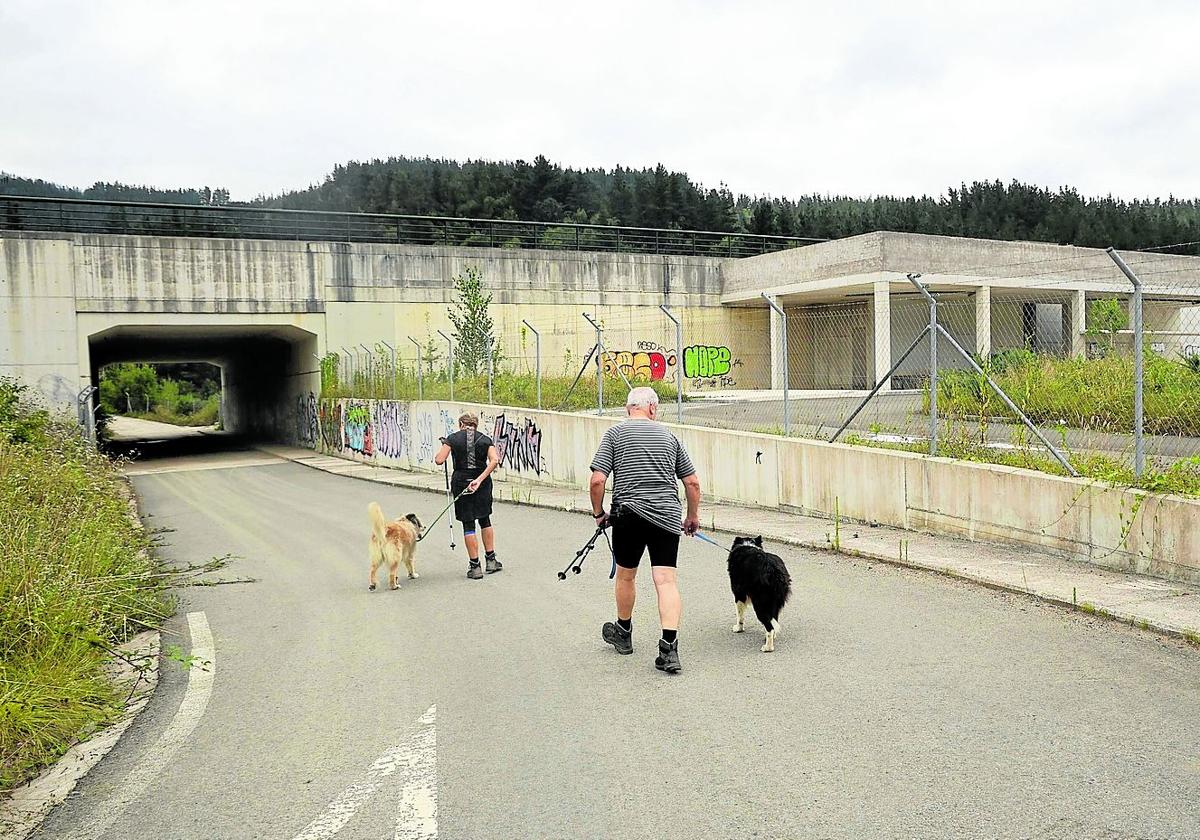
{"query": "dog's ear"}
pixel 758 541
pixel 412 517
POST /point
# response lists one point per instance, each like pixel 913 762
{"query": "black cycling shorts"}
pixel 632 536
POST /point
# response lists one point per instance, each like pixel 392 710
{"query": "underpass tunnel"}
pixel 264 368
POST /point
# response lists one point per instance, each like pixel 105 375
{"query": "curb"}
pixel 1120 616
pixel 23 809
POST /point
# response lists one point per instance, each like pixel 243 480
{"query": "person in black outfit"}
pixel 475 457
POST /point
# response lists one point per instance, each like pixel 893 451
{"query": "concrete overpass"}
pixel 264 293
pixel 265 310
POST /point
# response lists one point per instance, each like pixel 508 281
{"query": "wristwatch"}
pixel 598 515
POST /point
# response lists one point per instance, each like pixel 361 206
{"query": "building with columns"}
pixel 851 310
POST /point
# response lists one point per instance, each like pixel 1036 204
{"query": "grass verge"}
pixel 76 579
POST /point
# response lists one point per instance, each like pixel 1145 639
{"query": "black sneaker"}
pixel 668 657
pixel 618 637
pixel 474 572
pixel 493 565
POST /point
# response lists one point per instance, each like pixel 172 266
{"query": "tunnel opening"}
pixel 256 372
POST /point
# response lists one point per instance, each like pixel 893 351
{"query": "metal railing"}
pixel 25 213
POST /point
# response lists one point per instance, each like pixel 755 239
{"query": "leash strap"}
pixel 428 528
pixel 708 540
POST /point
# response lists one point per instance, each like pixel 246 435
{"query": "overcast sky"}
pixel 776 99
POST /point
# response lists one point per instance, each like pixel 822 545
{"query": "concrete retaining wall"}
pixel 1127 530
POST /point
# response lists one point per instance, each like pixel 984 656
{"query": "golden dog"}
pixel 393 543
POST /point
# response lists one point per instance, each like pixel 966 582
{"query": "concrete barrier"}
pixel 1112 527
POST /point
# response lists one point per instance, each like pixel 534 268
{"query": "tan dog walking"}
pixel 394 543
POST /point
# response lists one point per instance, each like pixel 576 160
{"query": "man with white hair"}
pixel 646 461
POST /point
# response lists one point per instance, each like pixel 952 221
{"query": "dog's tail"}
pixel 378 523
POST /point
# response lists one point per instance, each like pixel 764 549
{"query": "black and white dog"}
pixel 759 578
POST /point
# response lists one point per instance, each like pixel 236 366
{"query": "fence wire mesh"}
pixel 1058 338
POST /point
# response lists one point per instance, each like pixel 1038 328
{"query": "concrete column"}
pixel 983 321
pixel 883 332
pixel 778 353
pixel 1078 323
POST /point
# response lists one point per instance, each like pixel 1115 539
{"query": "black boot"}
pixel 668 657
pixel 474 572
pixel 618 637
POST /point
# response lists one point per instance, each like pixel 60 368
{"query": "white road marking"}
pixel 418 816
pixel 195 701
pixel 417 756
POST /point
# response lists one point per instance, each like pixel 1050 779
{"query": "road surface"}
pixel 897 704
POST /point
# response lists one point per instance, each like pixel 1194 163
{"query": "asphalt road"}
pixel 897 704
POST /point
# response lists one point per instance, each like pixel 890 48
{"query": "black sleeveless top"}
pixel 469 449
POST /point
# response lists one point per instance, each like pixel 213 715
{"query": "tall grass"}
pixel 1094 394
pixel 76 579
pixel 206 413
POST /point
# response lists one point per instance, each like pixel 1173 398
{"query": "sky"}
pixel 779 99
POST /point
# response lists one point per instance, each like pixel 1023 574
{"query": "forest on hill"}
pixel 663 198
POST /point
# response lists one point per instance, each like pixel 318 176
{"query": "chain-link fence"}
pixel 1034 361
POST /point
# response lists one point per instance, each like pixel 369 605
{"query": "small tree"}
pixel 1107 318
pixel 472 324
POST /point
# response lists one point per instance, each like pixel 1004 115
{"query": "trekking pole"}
pixel 576 564
pixel 450 522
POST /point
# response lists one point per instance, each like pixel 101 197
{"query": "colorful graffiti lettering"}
pixel 641 365
pixel 356 426
pixel 705 360
pixel 390 429
pixel 520 449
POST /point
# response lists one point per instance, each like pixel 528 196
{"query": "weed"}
pixel 76 580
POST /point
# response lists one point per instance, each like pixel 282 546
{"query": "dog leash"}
pixel 709 540
pixel 428 529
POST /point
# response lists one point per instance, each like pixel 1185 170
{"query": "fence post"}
pixel 783 345
pixel 537 359
pixel 420 372
pixel 678 358
pixel 393 349
pixel 933 364
pixel 599 366
pixel 1139 446
pixel 449 361
pixel 491 342
pixel 370 371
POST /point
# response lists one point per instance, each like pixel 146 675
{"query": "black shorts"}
pixel 632 536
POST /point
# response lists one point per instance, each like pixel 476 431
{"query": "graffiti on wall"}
pixel 356 428
pixel 308 422
pixel 428 427
pixel 710 366
pixel 519 447
pixel 390 428
pixel 650 362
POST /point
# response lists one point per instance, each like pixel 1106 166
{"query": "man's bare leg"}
pixel 626 592
pixel 670 606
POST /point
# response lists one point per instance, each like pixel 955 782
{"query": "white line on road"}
pixel 418 757
pixel 418 815
pixel 151 764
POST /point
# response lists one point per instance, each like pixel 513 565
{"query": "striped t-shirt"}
pixel 646 462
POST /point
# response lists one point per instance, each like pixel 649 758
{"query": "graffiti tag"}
pixel 704 360
pixel 520 449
